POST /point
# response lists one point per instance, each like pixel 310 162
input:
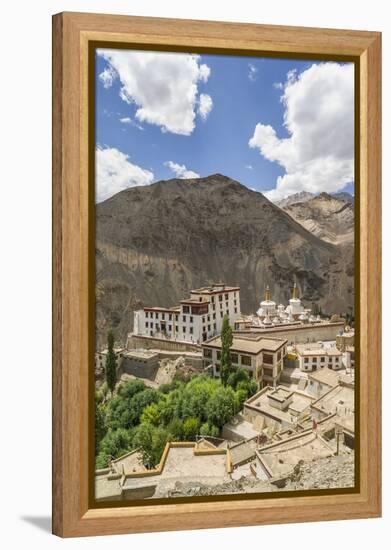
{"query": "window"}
pixel 322 359
pixel 220 297
pixel 157 326
pixel 208 318
pixel 226 296
pixel 234 302
pixel 227 312
pixel 208 328
pixel 212 299
pixel 184 318
pixel 170 317
pixel 221 313
pixel 176 317
pixel 306 359
pixel 268 359
pixel 183 329
pixel 330 359
pixel 156 315
pixel 214 315
pixel 169 328
pixel 191 330
pixel 236 310
pixel 234 358
pixel 214 326
pixel 245 360
pixel 147 324
pixel 191 319
pixel 208 353
pixel 203 319
pixel 185 309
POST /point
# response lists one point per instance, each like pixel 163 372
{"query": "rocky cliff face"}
pixel 329 217
pixel 155 243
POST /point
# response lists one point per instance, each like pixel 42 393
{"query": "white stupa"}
pixel 268 307
pixel 295 308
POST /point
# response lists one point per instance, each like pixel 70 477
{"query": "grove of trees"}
pixel 146 418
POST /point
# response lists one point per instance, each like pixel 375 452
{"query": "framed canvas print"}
pixel 216 233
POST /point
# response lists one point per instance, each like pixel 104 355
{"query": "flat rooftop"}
pixel 215 288
pixel 183 465
pixel 260 402
pixel 338 400
pixel 316 349
pixel 174 309
pixel 325 376
pixel 280 458
pixel 252 344
pixel 293 326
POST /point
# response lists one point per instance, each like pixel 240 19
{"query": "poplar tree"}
pixel 226 343
pixel 111 363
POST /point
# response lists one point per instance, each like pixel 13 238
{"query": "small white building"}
pixel 195 319
pixel 316 356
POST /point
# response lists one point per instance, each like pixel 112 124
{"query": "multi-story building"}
pixel 262 357
pixel 316 356
pixel 195 319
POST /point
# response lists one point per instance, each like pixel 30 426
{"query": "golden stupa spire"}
pixel 295 293
pixel 267 293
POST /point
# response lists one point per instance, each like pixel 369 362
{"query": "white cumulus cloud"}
pixel 114 172
pixel 107 77
pixel 163 86
pixel 205 105
pixel 318 155
pixel 180 170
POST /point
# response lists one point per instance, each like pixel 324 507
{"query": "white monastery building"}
pixel 196 319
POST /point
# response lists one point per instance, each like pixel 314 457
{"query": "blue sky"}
pixel 304 113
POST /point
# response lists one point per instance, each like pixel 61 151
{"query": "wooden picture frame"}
pixel 72 292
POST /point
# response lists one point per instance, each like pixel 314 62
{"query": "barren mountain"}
pixel 155 243
pixel 302 196
pixel 329 217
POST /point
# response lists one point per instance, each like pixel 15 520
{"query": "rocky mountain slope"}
pixel 329 217
pixel 155 243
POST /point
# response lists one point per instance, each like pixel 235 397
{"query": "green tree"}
pixel 100 424
pixel 151 414
pixel 151 441
pixel 111 363
pixel 116 443
pixel 191 427
pixel 175 429
pixel 209 429
pixel 226 343
pixel 221 407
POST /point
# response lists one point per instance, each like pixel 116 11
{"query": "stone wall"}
pixel 148 342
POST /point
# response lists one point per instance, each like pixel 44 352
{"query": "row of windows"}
pixel 169 327
pixel 322 360
pixel 149 314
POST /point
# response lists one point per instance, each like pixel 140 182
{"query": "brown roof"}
pixel 248 345
pixel 314 349
pixel 325 376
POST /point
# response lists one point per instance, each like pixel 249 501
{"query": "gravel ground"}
pixel 324 473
